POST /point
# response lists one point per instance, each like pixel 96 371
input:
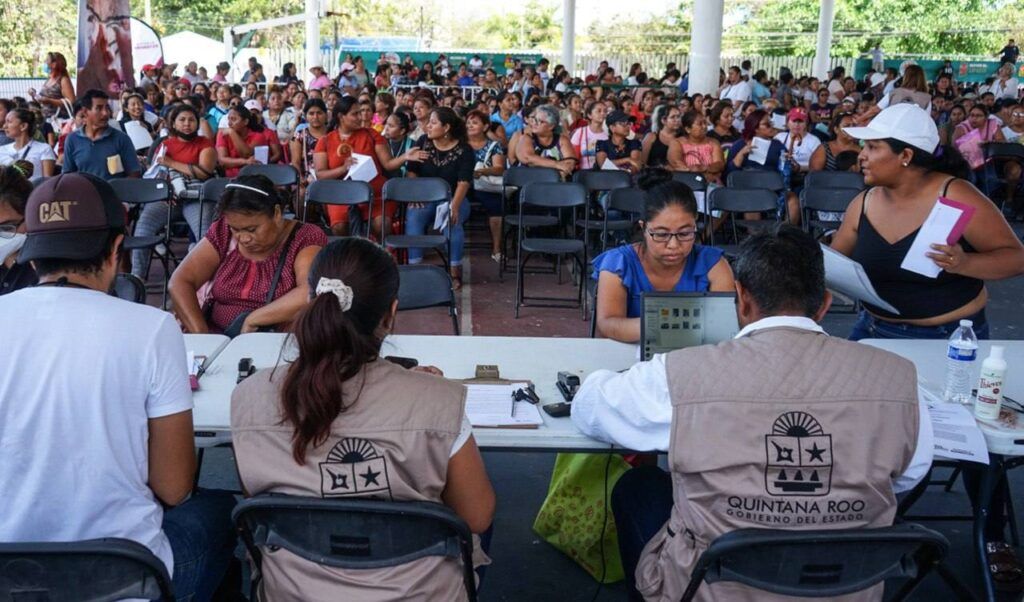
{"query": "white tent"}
pixel 186 46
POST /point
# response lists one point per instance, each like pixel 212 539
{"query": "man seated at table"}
pixel 782 427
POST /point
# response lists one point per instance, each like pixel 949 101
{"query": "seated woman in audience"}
pixel 218 111
pixel 665 129
pixel 186 155
pixel 338 399
pixel 722 128
pixel 584 140
pixel 305 139
pixel 279 118
pixel 236 144
pixel 421 107
pixel 333 157
pixel 299 100
pixel 449 157
pixel 238 258
pixel 20 127
pixel 490 164
pixel 384 106
pixel 1014 132
pixel 822 111
pixel 14 190
pixel 758 130
pixel 825 156
pixel 906 170
pixel 696 151
pixel 667 258
pixel 545 146
pixel 619 149
pixel 970 136
pixel 572 114
pixel 957 115
pixel 508 115
pixel 800 145
pixel 135 110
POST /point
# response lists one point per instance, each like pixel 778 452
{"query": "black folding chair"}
pixel 834 179
pixel 142 192
pixel 597 182
pixel 94 570
pixel 423 286
pixel 342 193
pixel 558 196
pixel 742 200
pixel 517 177
pixel 693 180
pixel 630 201
pixel 354 533
pixel 283 176
pixel 129 287
pixel 823 563
pixel 756 178
pixel 419 190
pixel 211 192
pixel 997 153
pixel 815 199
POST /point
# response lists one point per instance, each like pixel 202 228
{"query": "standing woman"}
pixel 450 158
pixel 696 152
pixel 20 126
pixel 304 140
pixel 333 158
pixel 57 89
pixel 906 171
pixel 584 140
pixel 665 126
pixel 490 163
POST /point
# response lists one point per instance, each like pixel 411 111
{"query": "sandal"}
pixel 456 273
pixel 1005 566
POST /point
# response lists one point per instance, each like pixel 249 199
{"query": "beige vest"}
pixel 900 95
pixel 781 429
pixel 392 444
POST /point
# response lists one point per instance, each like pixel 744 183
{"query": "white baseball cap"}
pixel 905 122
pixel 253 105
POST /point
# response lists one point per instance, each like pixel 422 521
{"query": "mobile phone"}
pixel 405 362
pixel 245 369
pixel 558 409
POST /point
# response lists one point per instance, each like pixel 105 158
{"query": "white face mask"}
pixel 9 246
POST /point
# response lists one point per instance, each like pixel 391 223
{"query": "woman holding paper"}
pixel 237 144
pixel 759 150
pixel 906 170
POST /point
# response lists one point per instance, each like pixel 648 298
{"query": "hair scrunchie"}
pixel 340 290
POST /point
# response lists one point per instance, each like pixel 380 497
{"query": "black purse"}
pixel 235 327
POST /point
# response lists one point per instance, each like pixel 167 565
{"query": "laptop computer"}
pixel 672 321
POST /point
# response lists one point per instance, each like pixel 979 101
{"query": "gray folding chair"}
pixel 405 191
pixel 756 178
pixel 354 533
pixel 97 570
pixel 552 196
pixel 630 201
pixel 825 200
pixel 349 193
pixel 423 286
pixel 835 179
pixel 693 180
pixel 740 200
pixel 142 192
pixel 823 564
pixel 598 182
pixel 283 176
pixel 211 192
pixel 515 178
pixel 129 287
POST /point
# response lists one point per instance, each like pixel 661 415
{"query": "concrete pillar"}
pixel 229 52
pixel 313 37
pixel 821 55
pixel 569 35
pixel 706 46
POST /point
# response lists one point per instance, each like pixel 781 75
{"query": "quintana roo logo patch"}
pixel 799 457
pixel 354 469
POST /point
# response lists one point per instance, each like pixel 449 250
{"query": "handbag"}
pixel 575 517
pixel 235 327
pixel 969 146
pixel 487 183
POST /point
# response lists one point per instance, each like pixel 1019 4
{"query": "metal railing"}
pixel 18 86
pixel 469 93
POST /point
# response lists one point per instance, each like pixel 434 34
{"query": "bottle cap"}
pixel 967 323
pixel 996 352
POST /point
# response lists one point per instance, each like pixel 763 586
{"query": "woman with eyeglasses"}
pixel 14 190
pixel 666 258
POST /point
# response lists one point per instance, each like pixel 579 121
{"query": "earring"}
pixel 905 164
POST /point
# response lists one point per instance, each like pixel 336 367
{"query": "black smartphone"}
pixel 558 409
pixel 405 362
pixel 245 368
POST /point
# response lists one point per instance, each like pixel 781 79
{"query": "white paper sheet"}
pixel 139 136
pixel 779 121
pixel 441 216
pixel 156 170
pixel 848 277
pixel 759 151
pixel 610 166
pixel 491 406
pixel 934 230
pixel 262 154
pixel 956 433
pixel 364 169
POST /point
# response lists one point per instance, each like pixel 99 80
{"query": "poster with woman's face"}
pixel 104 46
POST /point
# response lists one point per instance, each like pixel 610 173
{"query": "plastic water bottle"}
pixel 960 358
pixel 786 168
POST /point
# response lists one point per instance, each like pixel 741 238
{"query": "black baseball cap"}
pixel 70 216
pixel 617 116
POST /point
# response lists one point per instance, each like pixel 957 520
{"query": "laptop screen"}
pixel 676 320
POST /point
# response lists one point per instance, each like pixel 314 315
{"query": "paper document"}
pixel 262 154
pixel 759 150
pixel 779 121
pixel 848 277
pixel 444 210
pixel 156 170
pixel 944 226
pixel 491 406
pixel 955 432
pixel 140 137
pixel 610 166
pixel 364 169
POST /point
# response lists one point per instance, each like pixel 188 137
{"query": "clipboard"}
pixel 529 417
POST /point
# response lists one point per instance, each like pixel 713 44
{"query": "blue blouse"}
pixel 625 263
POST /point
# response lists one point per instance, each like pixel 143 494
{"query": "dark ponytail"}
pixel 661 191
pixel 945 159
pixel 335 345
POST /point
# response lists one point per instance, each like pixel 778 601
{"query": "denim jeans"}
pixel 203 541
pixel 153 219
pixel 869 327
pixel 641 504
pixel 419 220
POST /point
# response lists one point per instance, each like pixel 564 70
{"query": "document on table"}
pixel 364 169
pixel 759 150
pixel 944 225
pixel 262 154
pixel 956 433
pixel 848 277
pixel 490 406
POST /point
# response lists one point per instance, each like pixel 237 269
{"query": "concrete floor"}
pixel 526 567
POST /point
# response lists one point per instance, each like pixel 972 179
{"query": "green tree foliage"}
pixel 29 29
pixel 534 27
pixel 665 33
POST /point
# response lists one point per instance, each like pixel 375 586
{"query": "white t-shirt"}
pixel 35 152
pixel 1007 90
pixel 801 152
pixel 738 92
pixel 84 373
pixel 834 88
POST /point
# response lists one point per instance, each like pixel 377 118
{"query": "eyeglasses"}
pixel 664 237
pixel 1015 114
pixel 9 229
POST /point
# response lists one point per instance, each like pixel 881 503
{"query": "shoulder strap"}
pixel 864 202
pixel 945 188
pixel 280 263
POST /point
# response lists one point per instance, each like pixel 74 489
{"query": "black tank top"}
pixel 914 295
pixel 658 156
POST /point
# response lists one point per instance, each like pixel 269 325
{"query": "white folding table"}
pixel 209 345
